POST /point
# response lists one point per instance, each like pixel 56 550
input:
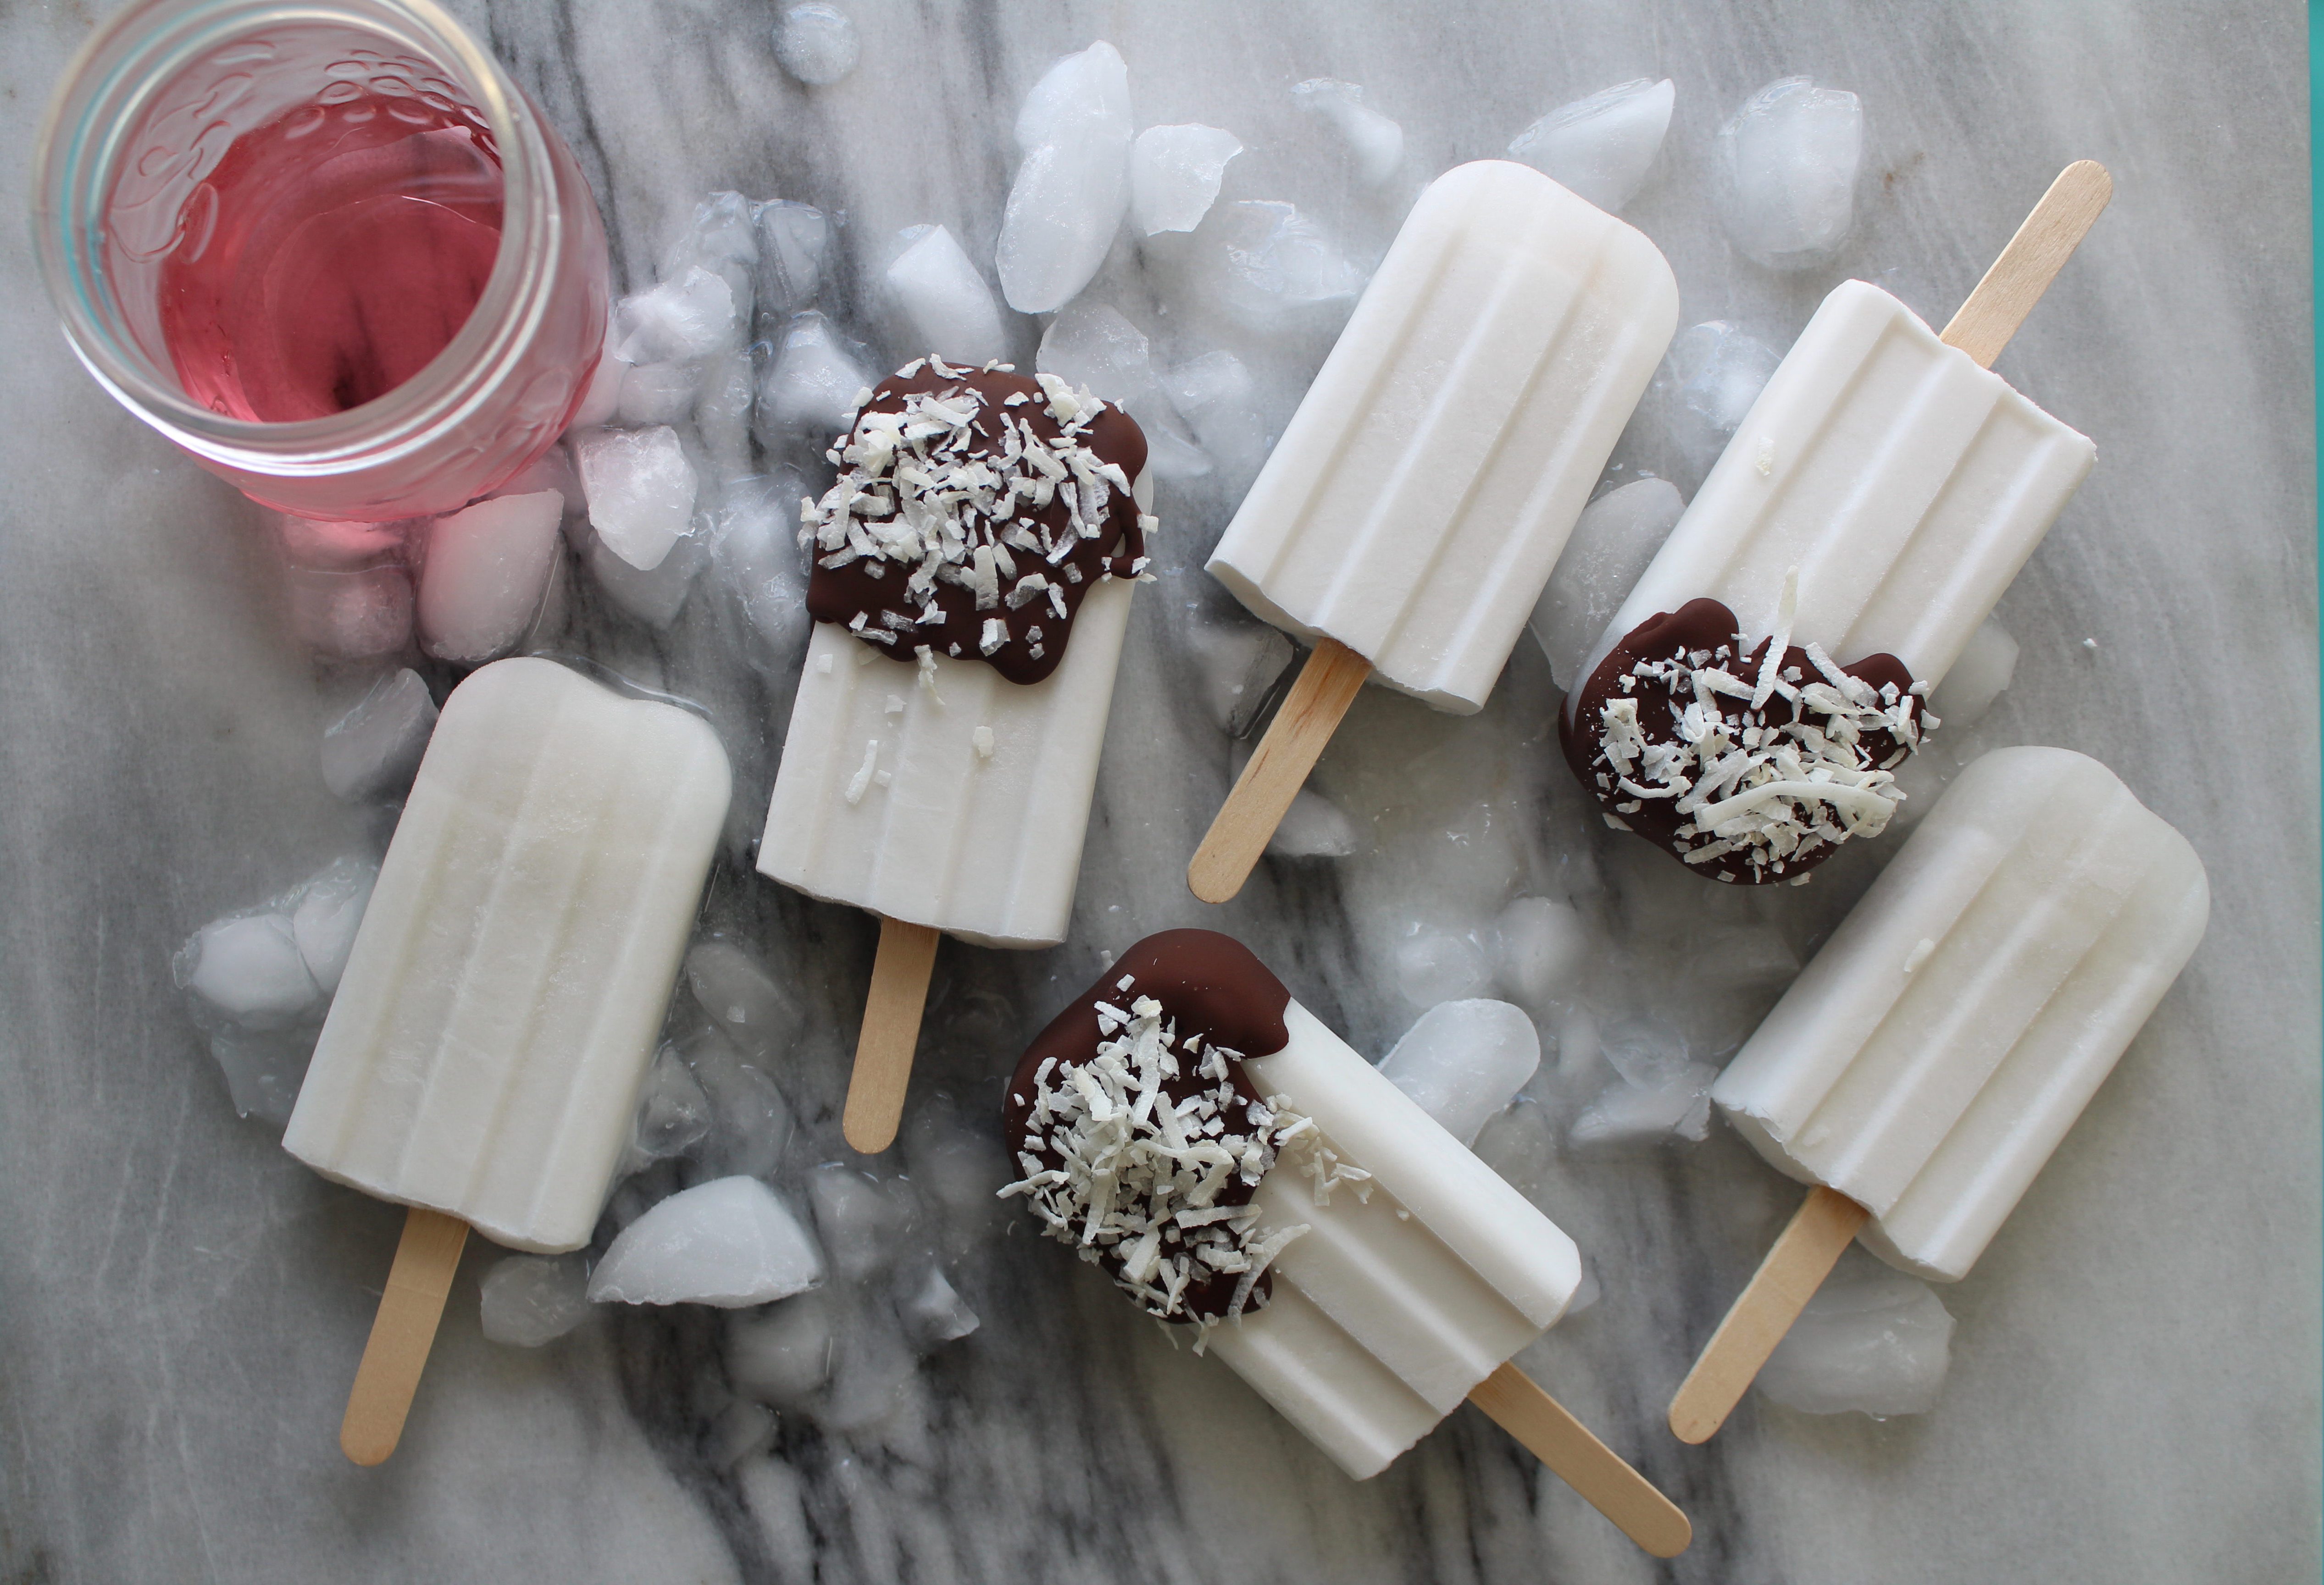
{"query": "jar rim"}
pixel 128 62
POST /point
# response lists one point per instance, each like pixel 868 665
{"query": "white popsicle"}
pixel 978 528
pixel 483 1052
pixel 1408 518
pixel 1402 1272
pixel 1907 485
pixel 1927 1061
pixel 483 1055
pixel 1931 1057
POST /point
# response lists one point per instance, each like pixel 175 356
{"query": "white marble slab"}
pixel 2134 1394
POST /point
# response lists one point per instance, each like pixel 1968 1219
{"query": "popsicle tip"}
pixel 1668 1535
pixel 1692 1422
pixel 868 1136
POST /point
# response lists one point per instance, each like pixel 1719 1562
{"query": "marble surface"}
pixel 2134 1392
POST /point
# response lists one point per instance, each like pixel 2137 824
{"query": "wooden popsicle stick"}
pixel 402 1333
pixel 1518 1405
pixel 1310 712
pixel 1820 1229
pixel 891 1032
pixel 2018 278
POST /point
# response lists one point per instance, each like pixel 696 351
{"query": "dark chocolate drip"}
pixel 872 588
pixel 1209 985
pixel 1698 626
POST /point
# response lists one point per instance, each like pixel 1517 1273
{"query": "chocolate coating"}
pixel 1699 625
pixel 869 588
pixel 1208 984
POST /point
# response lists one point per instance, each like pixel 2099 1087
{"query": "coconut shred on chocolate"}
pixel 974 513
pixel 1748 765
pixel 1142 1139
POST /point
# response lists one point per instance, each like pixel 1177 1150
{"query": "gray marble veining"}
pixel 2134 1394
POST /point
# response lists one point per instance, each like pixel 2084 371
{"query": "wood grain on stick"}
pixel 1310 712
pixel 402 1333
pixel 2024 272
pixel 891 1032
pixel 1519 1407
pixel 1820 1229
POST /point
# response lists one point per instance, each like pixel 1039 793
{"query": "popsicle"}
pixel 1748 703
pixel 482 1055
pixel 973 574
pixel 1235 1166
pixel 1410 517
pixel 1929 1059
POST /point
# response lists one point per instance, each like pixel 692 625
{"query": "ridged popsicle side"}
pixel 482 1054
pixel 1929 1060
pixel 1420 494
pixel 985 846
pixel 1393 1307
pixel 1906 485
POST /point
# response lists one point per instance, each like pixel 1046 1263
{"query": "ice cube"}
pixel 528 1300
pixel 869 1365
pixel 1217 396
pixel 1073 188
pixel 1518 1142
pixel 781 1356
pixel 1376 141
pixel 960 1172
pixel 263 1070
pixel 792 241
pixel 816 43
pixel 862 1219
pixel 487 567
pixel 1313 827
pixel 730 1242
pixel 1625 1114
pixel 1271 266
pixel 1784 171
pixel 655 595
pixel 1463 1060
pixel 657 393
pixel 1091 346
pixel 1239 666
pixel 1080 96
pixel 722 236
pixel 721 414
pixel 813 383
pixel 329 910
pixel 691 316
pixel 639 488
pixel 374 749
pixel 932 1312
pixel 673 1113
pixel 1433 965
pixel 1871 1340
pixel 1987 662
pixel 330 545
pixel 359 615
pixel 1706 385
pixel 248 969
pixel 1174 173
pixel 755 556
pixel 1601 148
pixel 734 987
pixel 751 1124
pixel 1613 541
pixel 949 305
pixel 1541 949
pixel 551 470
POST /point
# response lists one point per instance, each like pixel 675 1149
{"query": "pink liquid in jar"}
pixel 331 254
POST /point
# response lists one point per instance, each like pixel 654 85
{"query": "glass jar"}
pixel 152 106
